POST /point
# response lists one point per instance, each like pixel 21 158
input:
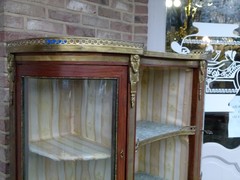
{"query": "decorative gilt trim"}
pixel 134 76
pixel 73 57
pixel 184 131
pixel 73 41
pixel 201 77
pixel 68 44
pixel 10 60
pixel 11 75
pixel 193 56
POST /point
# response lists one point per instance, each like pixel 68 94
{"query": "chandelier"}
pixel 191 7
pixel 196 3
pixel 175 3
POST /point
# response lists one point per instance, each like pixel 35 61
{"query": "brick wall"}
pixel 20 19
pixel 115 19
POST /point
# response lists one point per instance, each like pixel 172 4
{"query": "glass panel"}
pixel 222 100
pixel 68 127
pixel 163 111
pixel 219 123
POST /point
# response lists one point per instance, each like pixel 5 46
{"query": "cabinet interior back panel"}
pixel 61 107
pixel 166 159
pixel 164 96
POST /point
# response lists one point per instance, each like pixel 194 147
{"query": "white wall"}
pixel 156 25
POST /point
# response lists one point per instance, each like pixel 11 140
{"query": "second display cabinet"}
pixel 98 109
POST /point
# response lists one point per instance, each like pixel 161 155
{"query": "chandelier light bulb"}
pixel 177 3
pixel 169 3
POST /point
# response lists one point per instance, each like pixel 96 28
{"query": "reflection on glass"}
pixel 217 122
pixel 68 128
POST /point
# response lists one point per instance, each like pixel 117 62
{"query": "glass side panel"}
pixel 219 123
pixel 68 128
pixel 164 106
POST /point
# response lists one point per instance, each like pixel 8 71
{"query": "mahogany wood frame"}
pixel 77 70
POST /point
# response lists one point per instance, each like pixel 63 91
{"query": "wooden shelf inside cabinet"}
pixel 148 131
pixel 69 147
pixel 145 176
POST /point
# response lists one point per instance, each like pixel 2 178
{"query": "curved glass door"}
pixel 69 127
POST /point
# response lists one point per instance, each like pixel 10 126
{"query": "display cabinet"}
pixel 86 108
